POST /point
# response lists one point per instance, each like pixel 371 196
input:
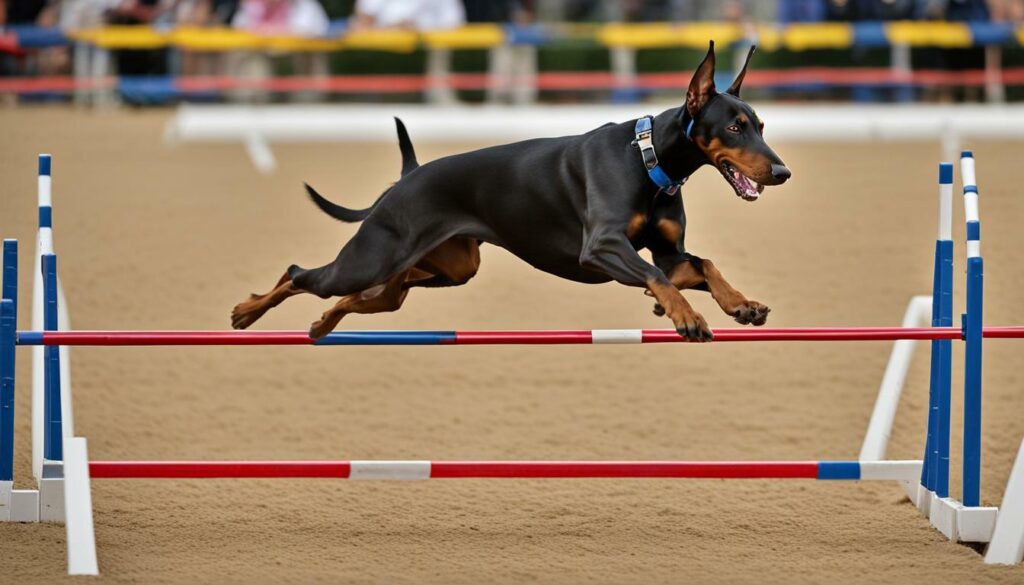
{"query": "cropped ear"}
pixel 734 89
pixel 702 86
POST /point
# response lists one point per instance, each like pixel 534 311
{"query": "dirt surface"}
pixel 159 237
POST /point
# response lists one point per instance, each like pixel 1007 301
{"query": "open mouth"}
pixel 744 186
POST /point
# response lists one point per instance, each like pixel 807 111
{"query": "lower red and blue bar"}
pixel 421 470
pixel 537 337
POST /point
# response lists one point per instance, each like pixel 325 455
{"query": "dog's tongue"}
pixel 750 190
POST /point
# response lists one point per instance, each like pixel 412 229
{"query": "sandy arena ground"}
pixel 158 237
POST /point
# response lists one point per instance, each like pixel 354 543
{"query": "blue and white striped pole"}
pixel 935 474
pixel 44 245
pixel 53 438
pixel 973 322
pixel 8 331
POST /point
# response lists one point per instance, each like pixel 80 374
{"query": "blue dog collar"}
pixel 644 139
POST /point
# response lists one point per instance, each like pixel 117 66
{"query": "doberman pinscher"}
pixel 579 207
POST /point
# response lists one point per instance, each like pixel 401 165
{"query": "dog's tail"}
pixel 345 214
pixel 405 145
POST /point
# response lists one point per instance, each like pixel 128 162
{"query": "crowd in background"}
pixel 315 18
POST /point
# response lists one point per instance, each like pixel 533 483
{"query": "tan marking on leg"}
pixel 724 294
pixel 250 310
pixel 688 322
pixel 732 301
pixel 685 275
pixel 670 229
pixel 389 299
pixel 636 224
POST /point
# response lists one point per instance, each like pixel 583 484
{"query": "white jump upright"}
pixel 49 477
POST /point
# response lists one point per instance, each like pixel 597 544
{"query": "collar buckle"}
pixel 644 131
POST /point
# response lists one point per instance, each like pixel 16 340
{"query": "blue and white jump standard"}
pixel 965 521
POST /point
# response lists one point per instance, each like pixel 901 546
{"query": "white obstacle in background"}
pixel 257 127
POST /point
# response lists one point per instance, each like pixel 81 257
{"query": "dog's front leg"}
pixel 694 272
pixel 610 252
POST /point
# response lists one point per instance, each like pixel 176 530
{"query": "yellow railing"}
pixel 794 37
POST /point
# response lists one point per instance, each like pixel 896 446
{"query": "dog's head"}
pixel 730 133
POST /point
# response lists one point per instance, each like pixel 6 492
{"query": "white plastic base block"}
pixel 18 505
pixel 25 506
pixel 5 500
pixel 976 524
pixel 943 516
pixel 923 500
pixel 910 488
pixel 51 492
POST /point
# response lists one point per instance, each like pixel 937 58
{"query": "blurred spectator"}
pixel 205 12
pixel 414 14
pixel 138 61
pixel 38 13
pixel 279 17
pixel 519 11
pixel 76 14
pixel 964 59
pixel 295 17
pixel 202 13
pixel 1007 10
pixel 967 10
pixel 802 11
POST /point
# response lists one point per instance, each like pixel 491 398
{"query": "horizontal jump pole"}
pixel 541 337
pixel 420 470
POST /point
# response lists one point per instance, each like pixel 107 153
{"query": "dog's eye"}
pixel 735 129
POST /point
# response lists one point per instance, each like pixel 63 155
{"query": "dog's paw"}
pixel 751 313
pixel 245 313
pixel 695 329
pixel 319 329
pixel 659 311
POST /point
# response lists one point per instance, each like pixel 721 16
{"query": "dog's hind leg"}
pixel 375 300
pixel 454 262
pixel 250 310
pixel 374 254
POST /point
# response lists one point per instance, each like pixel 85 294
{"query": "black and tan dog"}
pixel 579 207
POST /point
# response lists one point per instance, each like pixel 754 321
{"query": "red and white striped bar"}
pixel 421 470
pixel 535 337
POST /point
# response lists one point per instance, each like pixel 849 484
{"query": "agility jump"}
pixel 926 480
